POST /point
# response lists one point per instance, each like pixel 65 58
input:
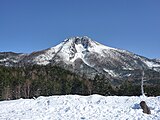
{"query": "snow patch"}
pixel 3 60
pixel 127 68
pixel 79 52
pixel 110 72
pixel 151 64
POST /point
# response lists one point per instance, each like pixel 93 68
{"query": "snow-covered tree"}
pixel 142 83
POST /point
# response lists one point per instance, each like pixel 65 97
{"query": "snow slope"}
pixel 74 107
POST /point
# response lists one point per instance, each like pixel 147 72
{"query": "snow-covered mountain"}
pixel 84 55
pixel 74 107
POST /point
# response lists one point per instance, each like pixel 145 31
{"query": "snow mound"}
pixel 75 107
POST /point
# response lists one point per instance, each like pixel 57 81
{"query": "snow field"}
pixel 75 107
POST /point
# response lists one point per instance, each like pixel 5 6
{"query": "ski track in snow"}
pixel 75 107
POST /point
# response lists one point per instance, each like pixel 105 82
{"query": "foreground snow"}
pixel 74 107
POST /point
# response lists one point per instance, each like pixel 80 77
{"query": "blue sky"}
pixel 32 25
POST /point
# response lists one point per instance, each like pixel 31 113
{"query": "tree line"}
pixel 35 80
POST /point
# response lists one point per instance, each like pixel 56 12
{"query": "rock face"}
pixel 87 57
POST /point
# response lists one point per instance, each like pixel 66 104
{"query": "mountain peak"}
pixel 78 37
pixel 85 41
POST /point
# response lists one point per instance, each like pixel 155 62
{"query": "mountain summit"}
pixel 84 56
